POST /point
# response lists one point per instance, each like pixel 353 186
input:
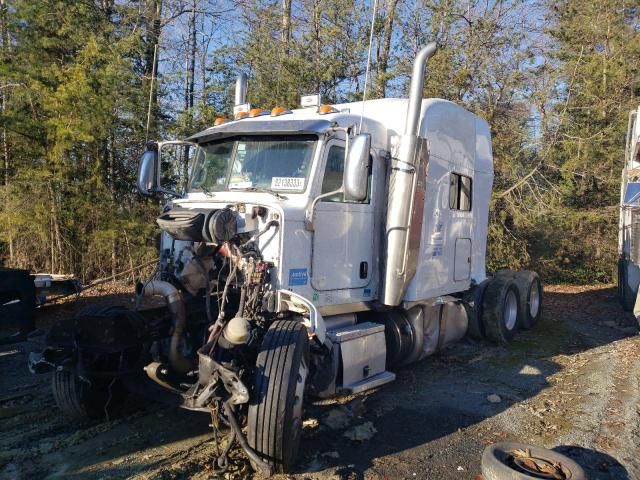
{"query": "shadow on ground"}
pixel 447 394
pixel 425 416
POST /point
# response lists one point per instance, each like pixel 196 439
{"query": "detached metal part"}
pixel 211 372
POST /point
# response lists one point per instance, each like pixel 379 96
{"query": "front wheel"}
pixel 275 410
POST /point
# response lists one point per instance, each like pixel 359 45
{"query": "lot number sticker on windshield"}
pixel 287 183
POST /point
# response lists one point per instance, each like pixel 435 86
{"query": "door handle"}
pixel 364 269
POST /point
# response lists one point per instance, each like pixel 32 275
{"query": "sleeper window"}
pixel 460 190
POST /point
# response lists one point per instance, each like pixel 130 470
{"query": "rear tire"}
pixel 473 304
pixel 500 309
pixel 530 289
pixel 275 410
pixel 625 293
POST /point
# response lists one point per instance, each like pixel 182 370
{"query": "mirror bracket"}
pixel 310 211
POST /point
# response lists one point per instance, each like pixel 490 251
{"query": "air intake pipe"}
pixel 175 304
pixel 241 89
pixel 406 193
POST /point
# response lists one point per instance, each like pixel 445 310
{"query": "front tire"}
pixel 275 410
pixel 500 309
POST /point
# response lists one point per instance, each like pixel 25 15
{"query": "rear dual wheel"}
pixel 511 300
pixel 500 309
pixel 625 292
pixel 530 290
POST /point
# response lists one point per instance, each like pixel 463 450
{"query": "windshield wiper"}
pixel 206 191
pixel 261 190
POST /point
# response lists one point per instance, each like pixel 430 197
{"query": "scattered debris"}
pixel 530 370
pixel 310 423
pixel 607 323
pixel 336 419
pixel 361 433
pixel 333 454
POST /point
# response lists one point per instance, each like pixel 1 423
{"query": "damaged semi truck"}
pixel 629 226
pixel 303 253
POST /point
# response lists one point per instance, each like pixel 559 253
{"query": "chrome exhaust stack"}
pixel 241 90
pixel 406 192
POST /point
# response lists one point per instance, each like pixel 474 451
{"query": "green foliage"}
pixel 68 201
pixel 76 88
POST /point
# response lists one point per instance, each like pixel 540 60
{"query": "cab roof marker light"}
pixel 257 112
pixel 220 121
pixel 241 115
pixel 325 109
pixel 277 111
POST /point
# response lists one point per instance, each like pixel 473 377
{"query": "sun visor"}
pixel 262 127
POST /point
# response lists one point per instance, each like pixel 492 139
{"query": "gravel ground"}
pixel 572 384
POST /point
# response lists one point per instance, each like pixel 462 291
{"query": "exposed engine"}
pixel 214 260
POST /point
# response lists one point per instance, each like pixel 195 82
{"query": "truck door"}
pixel 343 237
pixel 460 195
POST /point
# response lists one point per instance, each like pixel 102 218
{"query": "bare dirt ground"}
pixel 572 384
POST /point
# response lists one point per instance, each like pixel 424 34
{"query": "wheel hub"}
pixel 534 301
pixel 510 313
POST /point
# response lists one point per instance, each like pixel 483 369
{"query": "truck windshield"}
pixel 277 163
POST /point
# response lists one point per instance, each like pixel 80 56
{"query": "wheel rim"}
pixel 534 301
pixel 510 311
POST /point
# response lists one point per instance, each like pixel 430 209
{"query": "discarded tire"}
pixel 275 410
pixel 530 305
pixel 500 309
pixel 79 399
pixel 518 461
pixel 95 397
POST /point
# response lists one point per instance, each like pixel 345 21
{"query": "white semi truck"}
pixel 629 229
pixel 304 253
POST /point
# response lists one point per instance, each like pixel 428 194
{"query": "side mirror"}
pixel 148 173
pixel 356 164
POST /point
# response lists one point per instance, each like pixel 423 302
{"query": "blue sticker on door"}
pixel 297 277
